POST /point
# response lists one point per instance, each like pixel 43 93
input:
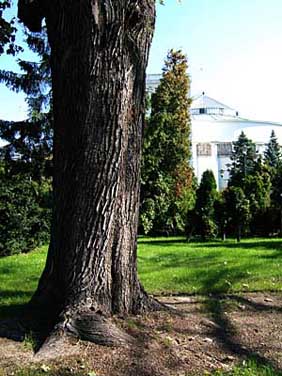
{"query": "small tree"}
pixel 243 160
pixel 250 175
pixel 237 210
pixel 166 174
pixel 204 209
pixel 272 154
pixel 276 201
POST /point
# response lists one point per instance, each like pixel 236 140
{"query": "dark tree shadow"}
pixel 226 334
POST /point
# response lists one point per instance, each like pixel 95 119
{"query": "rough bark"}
pixel 99 55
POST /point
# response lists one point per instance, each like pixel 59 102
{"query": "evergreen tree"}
pixel 26 160
pixel 237 210
pixel 243 160
pixel 272 159
pixel 250 175
pixel 7 31
pixel 204 209
pixel 167 177
pixel 272 154
pixel 275 213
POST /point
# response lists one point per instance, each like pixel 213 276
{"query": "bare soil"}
pixel 199 334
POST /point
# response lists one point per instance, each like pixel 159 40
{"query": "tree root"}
pixel 97 329
pixel 76 323
pixel 88 326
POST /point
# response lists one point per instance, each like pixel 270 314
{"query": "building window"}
pixel 202 111
pixel 204 150
pixel 224 149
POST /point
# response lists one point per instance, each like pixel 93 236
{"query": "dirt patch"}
pixel 199 334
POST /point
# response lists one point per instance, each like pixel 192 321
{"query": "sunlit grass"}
pixel 249 368
pixel 168 265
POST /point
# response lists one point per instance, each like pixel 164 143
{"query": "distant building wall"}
pixel 214 127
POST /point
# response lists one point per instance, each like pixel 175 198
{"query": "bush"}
pixel 25 213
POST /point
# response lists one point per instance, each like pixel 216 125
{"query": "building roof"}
pixel 203 104
pixel 203 101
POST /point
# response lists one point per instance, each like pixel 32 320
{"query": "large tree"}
pixel 99 52
pixel 167 178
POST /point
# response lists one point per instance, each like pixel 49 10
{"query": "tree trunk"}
pixel 99 56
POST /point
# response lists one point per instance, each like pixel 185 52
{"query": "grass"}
pixel 167 265
pixel 19 276
pixel 170 265
pixel 250 368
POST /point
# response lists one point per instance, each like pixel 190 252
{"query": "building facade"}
pixel 214 127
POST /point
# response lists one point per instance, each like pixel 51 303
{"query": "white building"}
pixel 214 127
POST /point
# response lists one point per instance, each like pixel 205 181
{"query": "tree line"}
pixel 251 205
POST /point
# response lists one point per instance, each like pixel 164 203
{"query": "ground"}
pixel 200 333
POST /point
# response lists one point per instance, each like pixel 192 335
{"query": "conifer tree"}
pixel 7 31
pixel 167 177
pixel 26 162
pixel 244 158
pixel 272 154
pixel 29 142
pixel 204 209
pixel 237 210
pixel 250 175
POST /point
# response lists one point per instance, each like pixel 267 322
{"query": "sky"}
pixel 234 49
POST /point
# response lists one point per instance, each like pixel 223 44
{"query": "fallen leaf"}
pixel 45 368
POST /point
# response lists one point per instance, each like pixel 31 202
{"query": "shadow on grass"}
pixel 11 314
pixel 229 243
pixel 249 245
pixel 227 335
pixel 225 332
pixel 13 310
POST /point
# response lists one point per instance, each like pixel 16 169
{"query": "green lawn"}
pixel 168 265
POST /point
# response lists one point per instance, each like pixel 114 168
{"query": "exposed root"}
pixel 146 303
pixel 98 329
pixel 58 344
pixel 85 326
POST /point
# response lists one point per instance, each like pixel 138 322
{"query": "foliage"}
pixel 167 177
pixel 24 213
pixel 26 160
pixel 35 79
pixel 7 31
pixel 204 216
pixel 243 159
pixel 237 209
pixel 272 154
pixel 250 181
